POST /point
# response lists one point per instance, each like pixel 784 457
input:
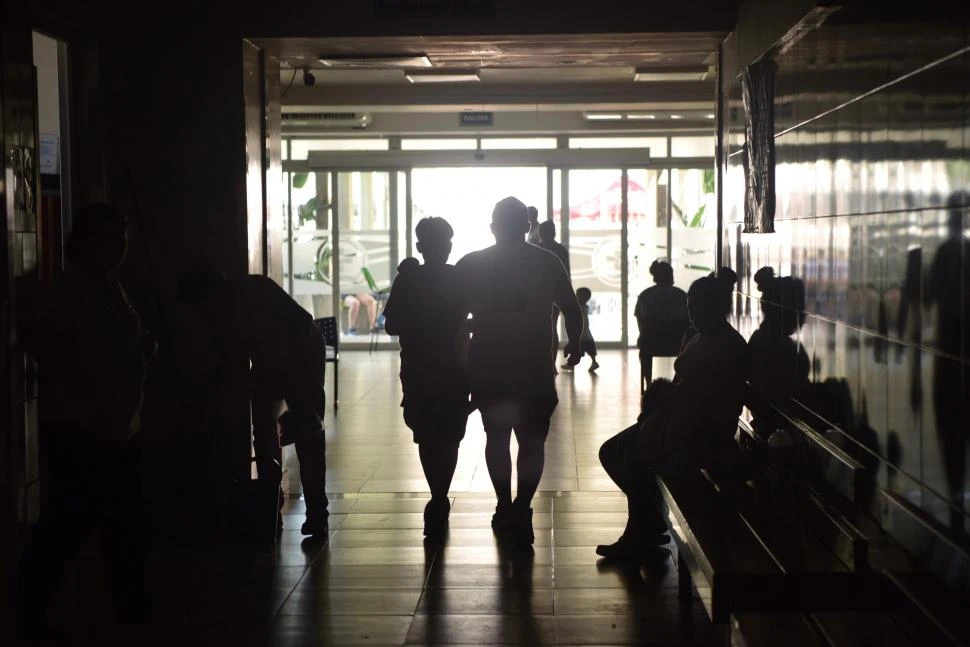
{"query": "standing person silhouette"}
pixel 946 288
pixel 547 241
pixel 434 344
pixel 533 237
pixel 93 357
pixel 510 290
pixel 287 353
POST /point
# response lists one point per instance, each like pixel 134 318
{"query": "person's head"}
pixel 533 216
pixel 662 272
pixel 203 286
pixel 783 305
pixel 99 240
pixel 708 304
pixel 510 221
pixel 726 276
pixel 547 231
pixel 434 239
pixel 956 204
pixel 764 277
pixel 583 295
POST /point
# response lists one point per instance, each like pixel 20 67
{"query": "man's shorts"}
pixel 526 414
pixel 433 420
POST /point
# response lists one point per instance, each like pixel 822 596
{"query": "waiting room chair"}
pixel 331 337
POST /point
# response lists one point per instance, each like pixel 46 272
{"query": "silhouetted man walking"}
pixel 510 290
pixel 434 346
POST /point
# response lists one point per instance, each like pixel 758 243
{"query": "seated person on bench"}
pixel 353 303
pixel 685 424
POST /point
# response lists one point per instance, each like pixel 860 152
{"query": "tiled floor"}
pixel 375 582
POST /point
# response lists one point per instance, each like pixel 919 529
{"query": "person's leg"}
pixel 646 370
pixel 370 304
pixel 529 465
pixel 531 428
pixel 311 452
pixel 591 351
pixel 498 432
pixel 645 524
pixel 266 410
pixel 65 522
pixel 307 400
pixel 124 540
pixel 353 309
pixel 439 460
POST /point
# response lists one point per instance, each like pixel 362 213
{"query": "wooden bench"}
pixel 795 563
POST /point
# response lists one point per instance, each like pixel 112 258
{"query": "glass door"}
pixel 647 224
pixel 465 198
pixel 366 250
pixel 595 246
pixel 308 242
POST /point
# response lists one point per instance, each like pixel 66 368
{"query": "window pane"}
pixel 517 143
pixel 439 144
pixel 657 145
pixel 647 234
pixel 311 216
pixel 692 147
pixel 302 146
pixel 693 224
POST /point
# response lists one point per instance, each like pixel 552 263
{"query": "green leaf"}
pixel 698 219
pixel 299 180
pixel 708 180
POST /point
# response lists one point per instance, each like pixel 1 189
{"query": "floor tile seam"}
pixel 306 570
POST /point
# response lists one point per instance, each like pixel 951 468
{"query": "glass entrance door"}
pixel 595 246
pixel 465 198
pixel 365 249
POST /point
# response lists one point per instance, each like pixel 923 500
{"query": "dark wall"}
pixel 872 122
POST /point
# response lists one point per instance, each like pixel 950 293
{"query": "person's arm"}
pixel 395 319
pixel 455 288
pixel 565 298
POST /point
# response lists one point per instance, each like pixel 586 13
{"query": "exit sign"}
pixel 476 119
pixel 433 8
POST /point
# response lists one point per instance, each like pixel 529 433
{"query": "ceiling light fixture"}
pixel 674 73
pixel 375 60
pixel 676 117
pixel 710 116
pixel 640 115
pixel 602 116
pixel 442 76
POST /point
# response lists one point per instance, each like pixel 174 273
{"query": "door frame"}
pixel 561 159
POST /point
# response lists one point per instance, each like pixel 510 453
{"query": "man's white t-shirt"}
pixel 510 290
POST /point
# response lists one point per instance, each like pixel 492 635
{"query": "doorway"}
pixel 351 218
